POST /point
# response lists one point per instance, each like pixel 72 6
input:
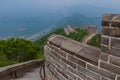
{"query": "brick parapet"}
pixel 67 59
pixel 18 70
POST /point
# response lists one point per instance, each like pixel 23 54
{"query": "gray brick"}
pixel 105 23
pixel 110 67
pixel 114 19
pixel 79 79
pixel 102 72
pixel 77 61
pixel 63 65
pixel 106 31
pixel 71 75
pixel 118 77
pixel 115 61
pixel 62 73
pixel 88 73
pixel 52 70
pixel 68 62
pixel 115 52
pixel 71 46
pixel 104 57
pixel 89 78
pixel 49 63
pixel 104 40
pixel 62 53
pixel 105 49
pixel 115 42
pixel 49 52
pixel 60 78
pixel 57 40
pixel 69 78
pixel 89 54
pixel 77 73
pixel 103 78
pixel 115 24
pixel 108 17
pixel 115 32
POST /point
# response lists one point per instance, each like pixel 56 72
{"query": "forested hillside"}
pixel 17 50
pixel 95 41
pixel 20 50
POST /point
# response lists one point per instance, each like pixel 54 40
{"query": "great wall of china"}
pixel 67 59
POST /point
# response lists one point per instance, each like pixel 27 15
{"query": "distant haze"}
pixel 35 7
pixel 24 18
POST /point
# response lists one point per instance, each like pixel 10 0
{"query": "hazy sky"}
pixel 22 6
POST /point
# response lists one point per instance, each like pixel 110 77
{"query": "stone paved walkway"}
pixel 33 75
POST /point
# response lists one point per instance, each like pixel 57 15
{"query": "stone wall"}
pixel 18 70
pixel 110 44
pixel 67 59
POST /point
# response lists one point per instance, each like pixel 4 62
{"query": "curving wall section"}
pixel 18 70
pixel 70 60
pixel 67 59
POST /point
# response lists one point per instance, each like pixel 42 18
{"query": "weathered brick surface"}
pixel 18 70
pixel 89 54
pixel 57 40
pixel 110 67
pixel 103 78
pixel 104 40
pixel 70 60
pixel 71 75
pixel 118 77
pixel 76 60
pixel 104 56
pixel 77 73
pixel 115 42
pixel 105 49
pixel 115 24
pixel 105 23
pixel 102 72
pixel 88 78
pixel 115 52
pixel 115 60
pixel 106 31
pixel 64 59
pixel 108 17
pixel 115 32
pixel 88 73
pixel 62 73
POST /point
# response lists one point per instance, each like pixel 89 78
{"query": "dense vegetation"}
pixel 95 41
pixel 76 36
pixel 17 50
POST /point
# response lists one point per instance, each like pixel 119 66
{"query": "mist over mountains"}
pixel 27 22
